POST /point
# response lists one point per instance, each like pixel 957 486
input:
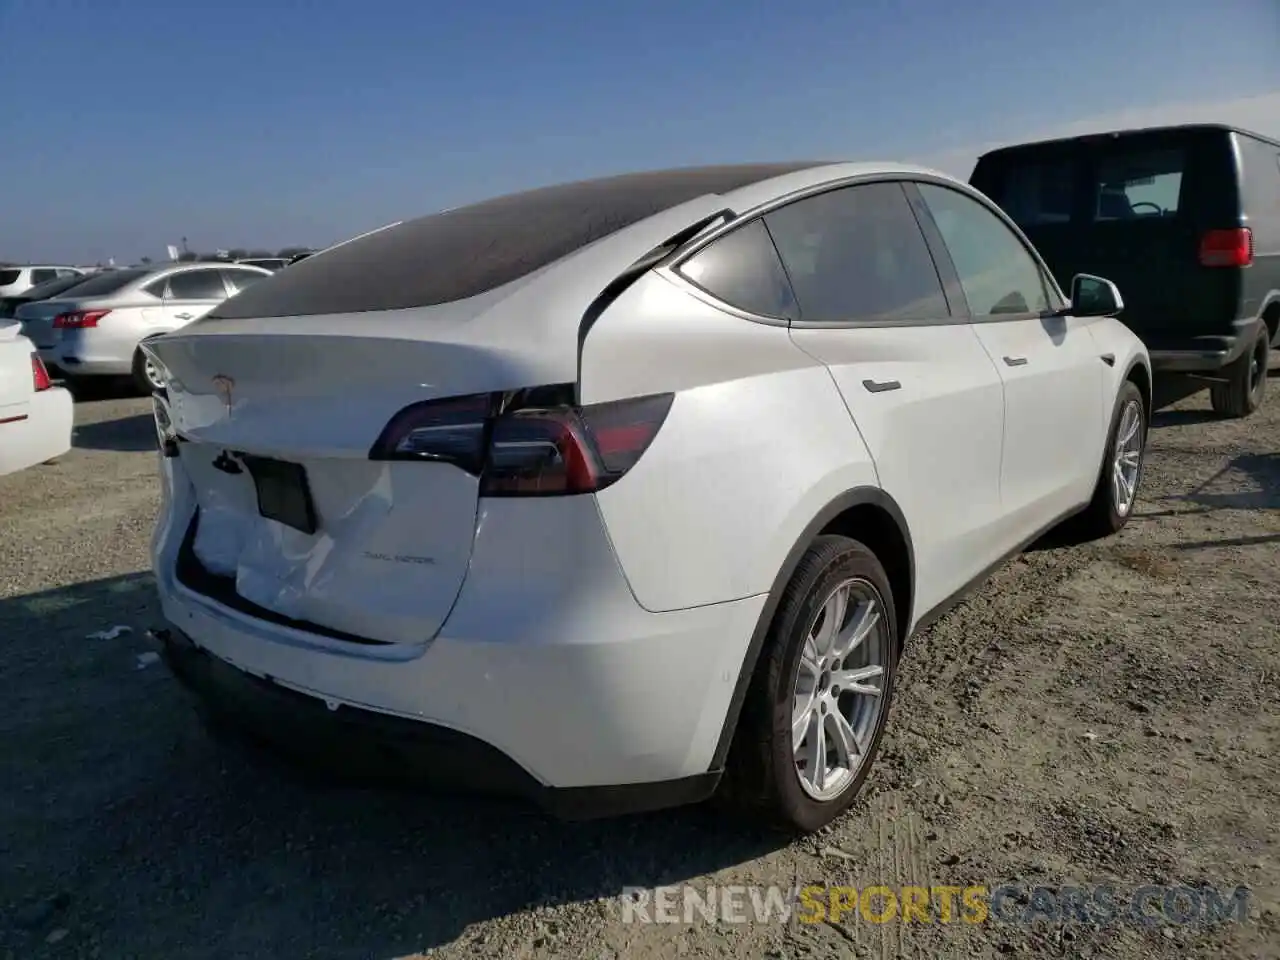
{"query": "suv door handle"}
pixel 880 386
pixel 1015 361
pixel 182 316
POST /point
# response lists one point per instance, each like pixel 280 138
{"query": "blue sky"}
pixel 130 123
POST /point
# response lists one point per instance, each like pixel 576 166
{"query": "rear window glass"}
pixel 1036 194
pixel 1143 183
pixel 470 250
pixel 101 284
pixel 9 276
pixel 51 288
pixel 1086 183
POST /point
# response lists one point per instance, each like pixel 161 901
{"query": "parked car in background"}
pixel 299 257
pixel 16 279
pixel 1186 220
pixel 35 416
pixel 50 288
pixel 605 491
pixel 95 329
pixel 266 263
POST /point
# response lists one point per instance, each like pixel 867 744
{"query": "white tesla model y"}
pixel 604 493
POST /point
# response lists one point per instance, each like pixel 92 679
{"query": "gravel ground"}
pixel 1105 713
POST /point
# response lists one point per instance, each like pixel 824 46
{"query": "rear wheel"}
pixel 146 377
pixel 1246 385
pixel 817 705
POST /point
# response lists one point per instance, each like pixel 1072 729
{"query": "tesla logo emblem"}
pixel 224 385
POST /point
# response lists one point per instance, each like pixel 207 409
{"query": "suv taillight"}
pixel 1227 248
pixel 78 319
pixel 39 375
pixel 527 450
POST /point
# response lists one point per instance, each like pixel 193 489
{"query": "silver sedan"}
pixel 96 328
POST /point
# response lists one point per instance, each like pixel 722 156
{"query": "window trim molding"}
pixel 960 311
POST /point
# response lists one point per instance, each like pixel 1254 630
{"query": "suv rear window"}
pixel 9 276
pixel 1086 182
pixel 1038 193
pixel 470 250
pixel 1138 183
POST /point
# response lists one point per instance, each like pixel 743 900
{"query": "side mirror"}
pixel 1094 297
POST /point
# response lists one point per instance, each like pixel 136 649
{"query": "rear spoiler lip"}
pixel 642 265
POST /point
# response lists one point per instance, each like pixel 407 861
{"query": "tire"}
pixel 762 773
pixel 1246 385
pixel 1105 514
pixel 142 378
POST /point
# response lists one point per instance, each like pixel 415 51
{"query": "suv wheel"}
pixel 1246 385
pixel 818 703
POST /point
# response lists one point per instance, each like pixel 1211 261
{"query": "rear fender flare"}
pixel 858 496
pixel 1269 302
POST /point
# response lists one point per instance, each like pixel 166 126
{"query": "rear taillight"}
pixel 78 319
pixel 39 375
pixel 1227 248
pixel 527 449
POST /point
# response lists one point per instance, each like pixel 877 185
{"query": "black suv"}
pixel 1184 220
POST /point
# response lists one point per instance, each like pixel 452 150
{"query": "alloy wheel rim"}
pixel 153 375
pixel 1127 458
pixel 838 692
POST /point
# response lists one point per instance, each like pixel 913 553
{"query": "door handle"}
pixel 880 386
pixel 182 316
pixel 1109 359
pixel 1015 361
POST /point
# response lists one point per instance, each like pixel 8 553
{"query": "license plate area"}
pixel 283 492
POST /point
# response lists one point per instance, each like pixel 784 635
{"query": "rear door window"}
pixel 43 276
pixel 1138 183
pixel 1039 193
pixel 197 285
pixel 857 254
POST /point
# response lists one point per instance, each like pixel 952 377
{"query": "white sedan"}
pixel 35 416
pixel 618 492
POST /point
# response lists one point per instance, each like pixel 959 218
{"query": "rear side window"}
pixel 1138 183
pixel 9 276
pixel 108 282
pixel 857 253
pixel 43 276
pixel 742 269
pixel 197 285
pixel 998 274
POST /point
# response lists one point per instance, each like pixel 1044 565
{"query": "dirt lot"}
pixel 1106 713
